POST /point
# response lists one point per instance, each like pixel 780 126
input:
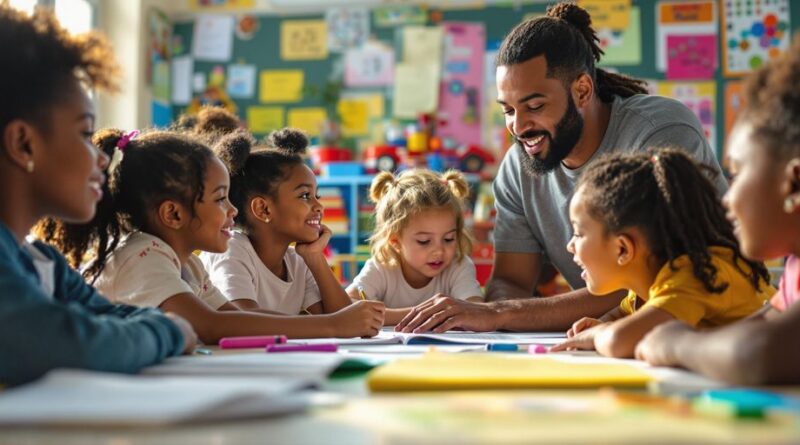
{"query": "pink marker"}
pixel 537 349
pixel 258 341
pixel 321 347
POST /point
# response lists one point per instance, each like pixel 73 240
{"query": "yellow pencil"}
pixel 361 293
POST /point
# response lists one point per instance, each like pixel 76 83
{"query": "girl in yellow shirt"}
pixel 652 223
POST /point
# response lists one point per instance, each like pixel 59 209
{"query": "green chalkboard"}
pixel 264 49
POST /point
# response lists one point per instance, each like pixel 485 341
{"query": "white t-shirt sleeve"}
pixel 372 279
pixel 232 273
pixel 312 295
pixel 206 290
pixel 464 282
pixel 148 277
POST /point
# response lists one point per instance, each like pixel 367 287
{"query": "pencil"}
pixel 361 293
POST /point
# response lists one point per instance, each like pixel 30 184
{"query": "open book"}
pixel 71 397
pixel 388 337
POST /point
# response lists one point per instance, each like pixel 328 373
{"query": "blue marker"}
pixel 502 347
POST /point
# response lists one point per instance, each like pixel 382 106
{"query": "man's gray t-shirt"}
pixel 533 213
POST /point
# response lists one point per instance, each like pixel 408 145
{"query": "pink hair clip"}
pixel 126 138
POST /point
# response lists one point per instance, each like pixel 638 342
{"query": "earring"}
pixel 790 204
pixel 29 166
pixel 266 219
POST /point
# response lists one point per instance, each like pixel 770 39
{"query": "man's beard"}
pixel 568 132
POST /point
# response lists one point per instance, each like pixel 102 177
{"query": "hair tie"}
pixel 126 138
pixel 654 159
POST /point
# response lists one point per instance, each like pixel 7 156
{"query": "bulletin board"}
pixel 262 50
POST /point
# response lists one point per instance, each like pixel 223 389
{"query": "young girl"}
pixel 764 205
pixel 277 193
pixel 651 223
pixel 49 317
pixel 169 194
pixel 420 247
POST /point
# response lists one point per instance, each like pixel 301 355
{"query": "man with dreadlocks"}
pixel 563 112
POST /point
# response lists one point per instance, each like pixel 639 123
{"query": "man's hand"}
pixel 442 313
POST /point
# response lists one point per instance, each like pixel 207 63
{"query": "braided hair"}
pixel 570 45
pixel 666 194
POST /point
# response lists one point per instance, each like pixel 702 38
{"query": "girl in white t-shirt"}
pixel 277 193
pixel 168 197
pixel 420 246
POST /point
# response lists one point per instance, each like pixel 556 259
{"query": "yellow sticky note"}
pixel 264 119
pixel 613 14
pixel 309 119
pixel 281 86
pixel 376 105
pixel 304 40
pixel 355 116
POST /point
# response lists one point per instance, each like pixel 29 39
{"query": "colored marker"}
pixel 361 293
pixel 321 347
pixel 502 347
pixel 258 341
pixel 537 349
pixel 202 351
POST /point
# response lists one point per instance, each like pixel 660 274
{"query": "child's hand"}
pixel 317 246
pixel 360 319
pixel 583 340
pixel 582 325
pixel 658 346
pixel 189 336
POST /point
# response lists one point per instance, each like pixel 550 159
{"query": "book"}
pixel 76 397
pixel 388 337
pixel 470 370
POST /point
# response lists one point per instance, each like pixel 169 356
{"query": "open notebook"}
pixel 438 371
pixel 388 337
pixel 72 397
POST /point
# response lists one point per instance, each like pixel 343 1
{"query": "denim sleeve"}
pixel 77 328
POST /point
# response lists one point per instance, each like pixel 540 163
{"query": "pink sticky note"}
pixel 691 56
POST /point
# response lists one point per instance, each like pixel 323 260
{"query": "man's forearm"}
pixel 556 313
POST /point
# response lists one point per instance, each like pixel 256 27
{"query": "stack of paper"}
pixel 70 397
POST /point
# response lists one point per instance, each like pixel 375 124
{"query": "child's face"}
pixel 297 212
pixel 213 221
pixel 68 170
pixel 592 249
pixel 755 200
pixel 427 245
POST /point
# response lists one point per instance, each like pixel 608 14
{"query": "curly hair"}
pixel 259 170
pixel 772 103
pixel 399 198
pixel 666 194
pixel 134 189
pixel 40 60
pixel 570 45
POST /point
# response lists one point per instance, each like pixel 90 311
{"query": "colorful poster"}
pixel 700 97
pixel 369 66
pixel 221 5
pixel 241 81
pixel 160 114
pixel 308 119
pixel 262 120
pixel 494 134
pixel 304 40
pixel 158 43
pixel 734 103
pixel 695 17
pixel 213 38
pixel 354 115
pixel 400 15
pixel 752 34
pixel 461 89
pixel 622 46
pixel 422 44
pixel 281 86
pixel 613 14
pixel 691 56
pixel 347 28
pixel 416 89
pixel 161 81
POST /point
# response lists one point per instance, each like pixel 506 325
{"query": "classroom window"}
pixel 75 15
pixel 25 5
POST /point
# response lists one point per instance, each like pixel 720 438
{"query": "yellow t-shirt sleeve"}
pixel 628 303
pixel 681 295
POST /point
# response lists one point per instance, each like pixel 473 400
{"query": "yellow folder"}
pixel 438 371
